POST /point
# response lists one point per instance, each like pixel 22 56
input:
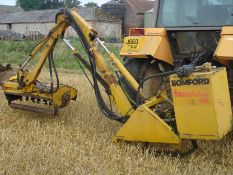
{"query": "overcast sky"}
pixel 12 2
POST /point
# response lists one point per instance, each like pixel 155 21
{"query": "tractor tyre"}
pixel 140 69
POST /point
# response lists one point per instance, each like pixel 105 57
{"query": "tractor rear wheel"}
pixel 140 69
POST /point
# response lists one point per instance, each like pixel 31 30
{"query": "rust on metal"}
pixel 33 109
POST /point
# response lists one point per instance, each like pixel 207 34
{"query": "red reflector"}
pixel 137 32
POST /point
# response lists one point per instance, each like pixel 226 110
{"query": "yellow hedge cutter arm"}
pixel 27 85
pixel 140 122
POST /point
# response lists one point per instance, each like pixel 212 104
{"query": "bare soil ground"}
pixel 78 141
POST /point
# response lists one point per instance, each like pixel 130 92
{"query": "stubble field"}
pixel 78 141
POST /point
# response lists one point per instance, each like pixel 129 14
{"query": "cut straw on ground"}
pixel 78 141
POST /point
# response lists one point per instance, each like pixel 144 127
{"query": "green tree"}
pixel 30 4
pixel 52 4
pixel 46 4
pixel 71 3
pixel 91 4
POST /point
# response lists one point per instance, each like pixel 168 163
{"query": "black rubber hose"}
pixel 149 78
pixel 51 72
pixel 103 107
pixel 79 58
pixel 101 103
pixel 56 73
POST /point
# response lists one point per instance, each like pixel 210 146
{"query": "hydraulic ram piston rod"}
pixel 133 83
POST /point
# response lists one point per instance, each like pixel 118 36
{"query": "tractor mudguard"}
pixel 154 43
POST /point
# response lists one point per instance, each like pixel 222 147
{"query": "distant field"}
pixel 16 52
pixel 78 141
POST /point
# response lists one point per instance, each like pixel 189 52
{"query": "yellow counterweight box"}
pixel 202 105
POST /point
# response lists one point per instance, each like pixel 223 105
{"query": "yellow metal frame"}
pixel 153 43
pixel 203 111
pixel 224 53
pixel 143 124
pixel 146 126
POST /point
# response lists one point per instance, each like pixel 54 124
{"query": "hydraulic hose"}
pixel 101 103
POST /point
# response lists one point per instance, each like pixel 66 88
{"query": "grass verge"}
pixel 16 53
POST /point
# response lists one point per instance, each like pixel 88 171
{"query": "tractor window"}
pixel 191 13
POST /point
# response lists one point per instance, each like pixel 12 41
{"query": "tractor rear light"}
pixel 137 32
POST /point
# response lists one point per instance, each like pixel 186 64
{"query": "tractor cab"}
pixel 183 29
pixel 196 15
pixel 193 26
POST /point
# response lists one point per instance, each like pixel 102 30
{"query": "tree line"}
pixel 51 4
